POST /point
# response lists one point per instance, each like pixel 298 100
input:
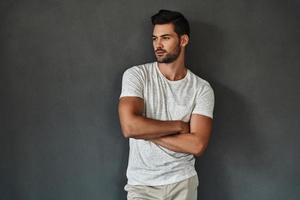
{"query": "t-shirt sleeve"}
pixel 132 83
pixel 204 102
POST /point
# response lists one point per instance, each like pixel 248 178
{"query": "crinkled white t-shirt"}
pixel 149 163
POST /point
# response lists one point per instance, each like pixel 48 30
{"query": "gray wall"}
pixel 61 64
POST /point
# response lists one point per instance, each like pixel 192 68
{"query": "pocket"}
pixel 195 181
pixel 134 192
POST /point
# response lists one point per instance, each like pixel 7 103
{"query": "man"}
pixel 166 112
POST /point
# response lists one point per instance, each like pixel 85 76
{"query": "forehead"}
pixel 162 29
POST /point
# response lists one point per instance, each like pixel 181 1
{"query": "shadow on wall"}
pixel 234 144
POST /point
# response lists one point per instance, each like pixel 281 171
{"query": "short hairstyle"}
pixel 176 18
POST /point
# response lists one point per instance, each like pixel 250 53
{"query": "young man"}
pixel 166 112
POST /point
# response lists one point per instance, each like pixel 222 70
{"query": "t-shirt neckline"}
pixel 172 82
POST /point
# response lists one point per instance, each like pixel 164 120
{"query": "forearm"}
pixel 145 128
pixel 183 143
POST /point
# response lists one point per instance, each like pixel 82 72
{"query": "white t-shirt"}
pixel 149 163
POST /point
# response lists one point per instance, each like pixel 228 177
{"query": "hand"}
pixel 185 127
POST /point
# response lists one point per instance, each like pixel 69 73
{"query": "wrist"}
pixel 181 126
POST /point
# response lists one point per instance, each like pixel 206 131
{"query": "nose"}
pixel 158 44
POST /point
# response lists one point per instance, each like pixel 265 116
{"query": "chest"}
pixel 169 101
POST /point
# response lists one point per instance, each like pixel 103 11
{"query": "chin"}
pixel 160 60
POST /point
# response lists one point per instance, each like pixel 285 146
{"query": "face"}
pixel 166 43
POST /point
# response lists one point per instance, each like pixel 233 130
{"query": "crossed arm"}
pixel 174 135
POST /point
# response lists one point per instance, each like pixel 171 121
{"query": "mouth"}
pixel 159 52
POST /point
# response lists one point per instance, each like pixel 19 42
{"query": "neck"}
pixel 175 70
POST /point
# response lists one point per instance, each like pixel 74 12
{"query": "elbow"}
pixel 126 135
pixel 130 127
pixel 128 131
pixel 199 149
pixel 198 153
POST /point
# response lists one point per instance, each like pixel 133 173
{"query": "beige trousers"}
pixel 183 190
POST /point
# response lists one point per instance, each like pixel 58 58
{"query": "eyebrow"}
pixel 162 35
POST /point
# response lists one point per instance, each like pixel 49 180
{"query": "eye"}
pixel 166 38
pixel 153 39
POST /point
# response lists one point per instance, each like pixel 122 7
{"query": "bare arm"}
pixel 194 142
pixel 134 125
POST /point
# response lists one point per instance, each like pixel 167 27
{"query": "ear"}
pixel 184 40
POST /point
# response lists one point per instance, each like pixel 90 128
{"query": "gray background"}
pixel 60 79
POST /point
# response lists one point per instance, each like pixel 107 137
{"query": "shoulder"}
pixel 201 84
pixel 140 69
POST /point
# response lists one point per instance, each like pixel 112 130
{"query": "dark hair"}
pixel 176 18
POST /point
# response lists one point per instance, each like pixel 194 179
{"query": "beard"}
pixel 169 57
